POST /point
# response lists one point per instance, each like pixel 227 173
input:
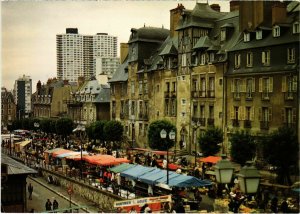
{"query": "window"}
pixel 249 59
pixel 235 88
pixel 265 87
pixel 132 87
pixel 132 107
pixel 211 57
pixel 291 55
pixel 195 109
pixel 145 87
pixel 202 111
pixel 296 27
pixel 223 34
pixel 145 129
pixel 276 31
pixel 112 89
pixel 211 112
pixel 140 87
pixel 173 107
pixel 250 88
pixel 183 60
pixel 141 129
pixel 167 107
pixel 259 34
pixel 246 37
pixel 203 87
pixel 265 58
pixel 157 88
pixel 113 107
pixel 203 59
pixel 237 60
pixel 211 85
pixel 183 101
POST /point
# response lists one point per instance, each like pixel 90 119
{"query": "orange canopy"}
pixel 60 151
pixel 104 160
pixel 210 159
pixel 76 157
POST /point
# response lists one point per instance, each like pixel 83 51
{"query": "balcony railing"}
pixel 247 124
pixel 194 94
pixel 122 115
pixel 210 121
pixel 143 116
pixel 211 93
pixel 249 96
pixel 289 125
pixel 173 93
pixel 265 95
pixel 289 95
pixel 167 93
pixel 264 125
pixel 237 95
pixel 235 123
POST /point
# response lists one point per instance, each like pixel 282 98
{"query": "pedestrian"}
pixel 48 205
pixel 284 207
pixel 30 190
pixel 55 205
pixel 274 204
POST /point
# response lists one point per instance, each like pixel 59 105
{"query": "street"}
pixel 41 194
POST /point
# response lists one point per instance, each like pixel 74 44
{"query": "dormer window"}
pixel 211 57
pixel 276 31
pixel 223 34
pixel 296 27
pixel 246 37
pixel 259 34
pixel 203 59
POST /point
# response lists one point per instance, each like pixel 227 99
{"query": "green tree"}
pixel 26 123
pixel 100 133
pixel 64 126
pixel 242 146
pixel 47 125
pixel 154 139
pixel 112 131
pixel 280 149
pixel 90 131
pixel 16 124
pixel 210 141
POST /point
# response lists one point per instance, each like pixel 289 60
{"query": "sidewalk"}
pixel 76 199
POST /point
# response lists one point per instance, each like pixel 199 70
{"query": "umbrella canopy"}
pixel 61 151
pixel 210 159
pixel 136 171
pixel 94 159
pixel 52 150
pixel 76 157
pixel 121 167
pixel 64 155
pixel 188 181
pixel 150 178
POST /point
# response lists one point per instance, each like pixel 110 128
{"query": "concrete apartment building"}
pixel 211 69
pixel 77 55
pixel 22 96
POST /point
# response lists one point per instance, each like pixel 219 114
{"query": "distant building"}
pixel 77 54
pixel 22 96
pixel 8 108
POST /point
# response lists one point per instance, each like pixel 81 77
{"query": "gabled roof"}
pixel 203 42
pixel 121 75
pixel 14 167
pixel 170 49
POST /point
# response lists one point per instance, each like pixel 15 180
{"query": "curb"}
pixel 58 193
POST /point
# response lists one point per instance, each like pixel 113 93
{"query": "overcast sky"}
pixel 29 29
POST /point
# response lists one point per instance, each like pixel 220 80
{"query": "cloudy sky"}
pixel 29 29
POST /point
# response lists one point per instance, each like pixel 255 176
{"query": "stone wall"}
pixel 105 200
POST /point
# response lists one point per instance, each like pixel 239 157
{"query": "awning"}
pixel 63 155
pixel 23 143
pixel 52 150
pixel 121 167
pixel 136 171
pixel 151 178
pixel 210 159
pixel 188 181
pixel 61 151
pixel 104 160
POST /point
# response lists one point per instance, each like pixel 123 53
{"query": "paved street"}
pixel 42 191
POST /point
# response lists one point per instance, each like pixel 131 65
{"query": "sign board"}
pixel 141 201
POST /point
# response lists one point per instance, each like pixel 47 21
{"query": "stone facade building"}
pixel 8 108
pixel 211 69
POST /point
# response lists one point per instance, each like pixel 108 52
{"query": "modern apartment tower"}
pixel 22 96
pixel 77 55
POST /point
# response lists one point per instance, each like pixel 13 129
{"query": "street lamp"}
pixel 195 126
pixel 249 178
pixel 163 135
pixel 224 170
pixel 81 130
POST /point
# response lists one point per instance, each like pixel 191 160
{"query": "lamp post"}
pixel 81 130
pixel 195 126
pixel 163 135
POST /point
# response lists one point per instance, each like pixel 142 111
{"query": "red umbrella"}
pixel 210 159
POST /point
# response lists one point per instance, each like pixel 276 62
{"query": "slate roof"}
pixel 169 49
pixel 120 75
pixel 101 91
pixel 14 167
pixel 203 42
pixel 148 34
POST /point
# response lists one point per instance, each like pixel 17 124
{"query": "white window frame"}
pixel 183 60
pixel 223 34
pixel 246 37
pixel 203 59
pixel 290 55
pixel 237 60
pixel 249 59
pixel 211 57
pixel 259 34
pixel 266 57
pixel 296 27
pixel 276 31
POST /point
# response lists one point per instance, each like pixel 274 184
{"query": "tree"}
pixel 242 146
pixel 47 125
pixel 113 130
pixel 154 139
pixel 64 126
pixel 210 141
pixel 99 129
pixel 280 149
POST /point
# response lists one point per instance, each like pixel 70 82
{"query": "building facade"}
pixel 77 54
pixel 8 108
pixel 212 69
pixel 22 96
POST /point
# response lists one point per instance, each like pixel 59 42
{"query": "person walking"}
pixel 55 205
pixel 30 190
pixel 48 205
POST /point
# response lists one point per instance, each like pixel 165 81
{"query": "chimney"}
pixel 124 52
pixel 174 18
pixel 234 5
pixel 38 87
pixel 216 7
pixel 278 13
